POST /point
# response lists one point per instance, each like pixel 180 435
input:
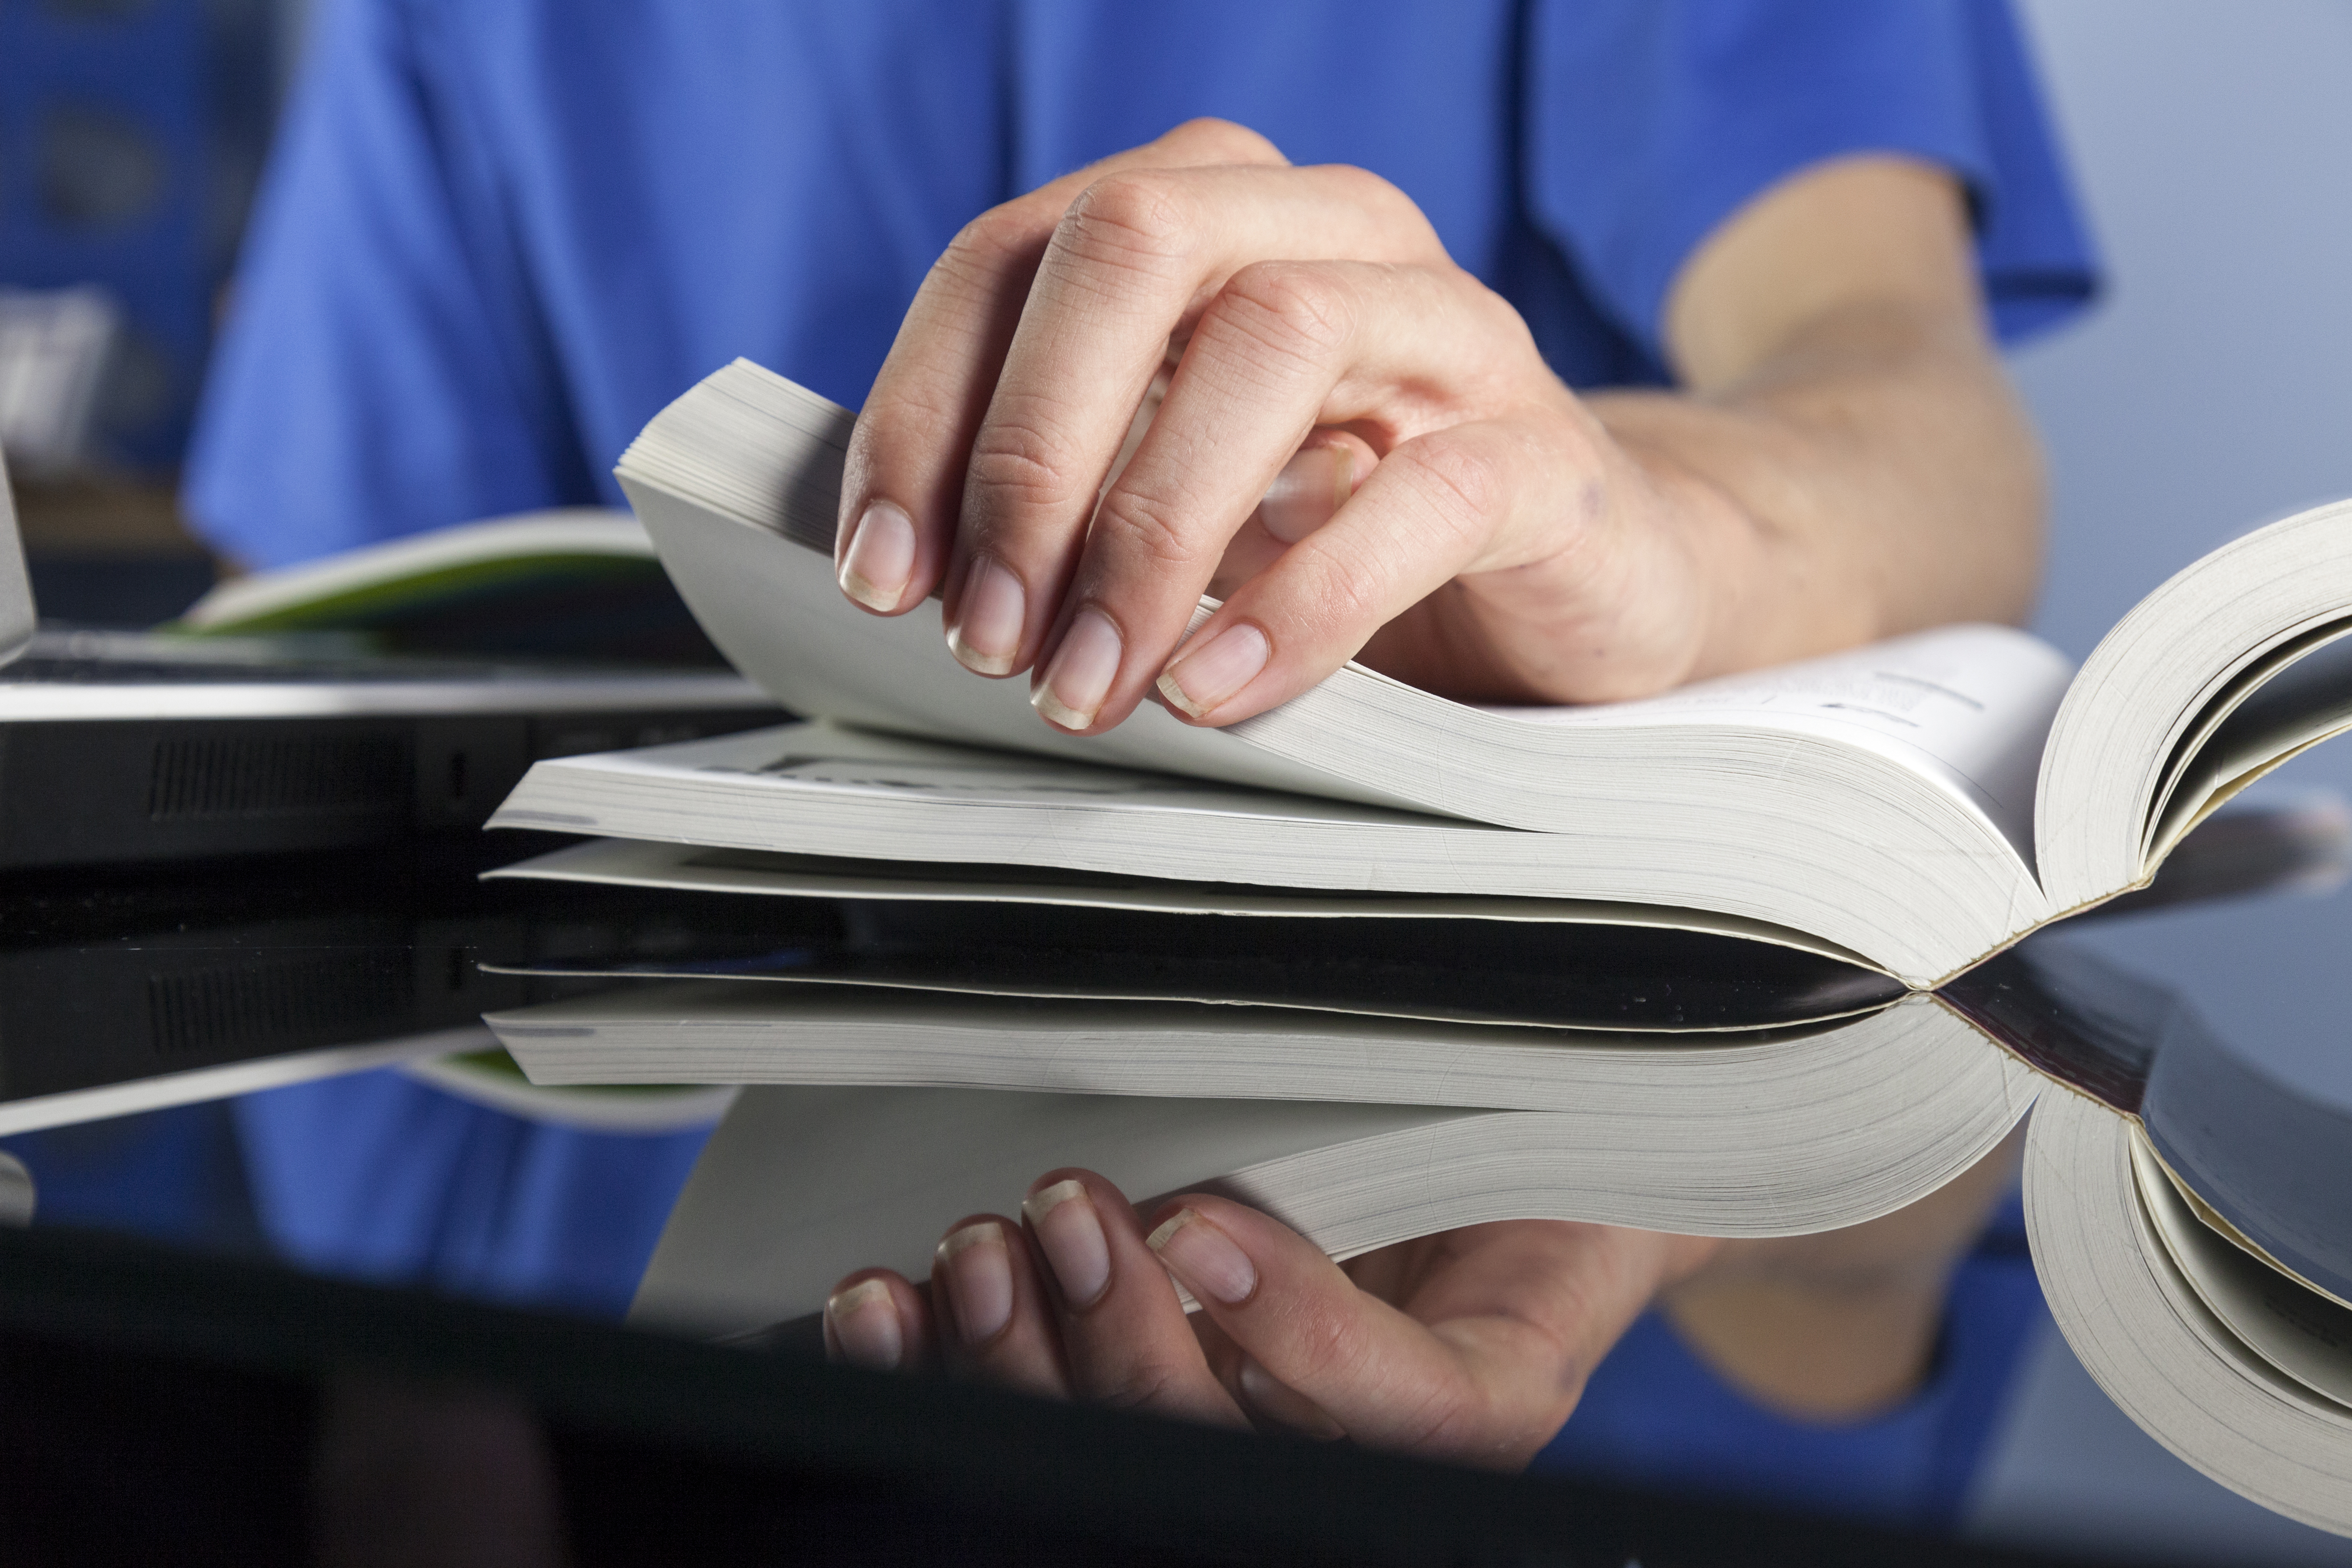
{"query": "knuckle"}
pixel 1468 481
pixel 988 245
pixel 1144 1386
pixel 1329 1347
pixel 1401 215
pixel 901 419
pixel 1350 590
pixel 1369 189
pixel 1448 1419
pixel 1209 140
pixel 1016 460
pixel 1297 306
pixel 1133 215
pixel 1135 220
pixel 1146 531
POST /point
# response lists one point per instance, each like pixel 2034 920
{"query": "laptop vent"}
pixel 324 1000
pixel 266 777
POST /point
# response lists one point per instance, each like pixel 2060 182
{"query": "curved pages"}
pixel 2144 1335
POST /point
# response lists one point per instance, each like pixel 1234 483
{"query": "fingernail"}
pixel 980 1280
pixel 1199 680
pixel 881 555
pixel 987 634
pixel 866 1326
pixel 1203 1258
pixel 1079 677
pixel 1281 1403
pixel 1310 488
pixel 1070 1234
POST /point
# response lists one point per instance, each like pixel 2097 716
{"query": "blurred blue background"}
pixel 131 135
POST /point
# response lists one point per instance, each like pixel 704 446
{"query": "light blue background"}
pixel 2214 392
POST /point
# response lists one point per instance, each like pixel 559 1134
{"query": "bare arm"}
pixel 1842 1323
pixel 1845 459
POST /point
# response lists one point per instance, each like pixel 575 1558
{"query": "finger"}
pixel 1527 490
pixel 1315 484
pixel 1124 1335
pixel 877 1320
pixel 1271 1403
pixel 1318 479
pixel 903 481
pixel 1270 1406
pixel 1285 349
pixel 994 1321
pixel 1135 259
pixel 1323 1348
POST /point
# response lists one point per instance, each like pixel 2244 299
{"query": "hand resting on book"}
pixel 1472 1345
pixel 1849 464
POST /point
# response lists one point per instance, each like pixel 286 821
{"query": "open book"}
pixel 1791 891
pixel 578 581
pixel 1921 803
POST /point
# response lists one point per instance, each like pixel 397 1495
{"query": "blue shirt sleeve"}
pixel 386 372
pixel 1652 121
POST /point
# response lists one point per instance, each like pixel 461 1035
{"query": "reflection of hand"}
pixel 1324 348
pixel 1472 1345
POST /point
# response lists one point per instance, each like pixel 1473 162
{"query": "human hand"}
pixel 1324 350
pixel 1472 1345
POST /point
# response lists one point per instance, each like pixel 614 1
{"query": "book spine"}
pixel 2091 1026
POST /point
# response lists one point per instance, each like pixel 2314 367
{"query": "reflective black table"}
pixel 197 1399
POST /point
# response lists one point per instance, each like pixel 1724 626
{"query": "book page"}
pixel 411 564
pixel 1546 974
pixel 2297 1330
pixel 1971 703
pixel 2163 687
pixel 642 863
pixel 2283 705
pixel 1967 706
pixel 780 1204
pixel 774 610
pixel 840 759
pixel 16 610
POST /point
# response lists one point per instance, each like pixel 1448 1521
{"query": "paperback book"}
pixel 1732 961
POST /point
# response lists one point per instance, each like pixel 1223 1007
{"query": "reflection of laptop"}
pixel 126 746
pixel 196 982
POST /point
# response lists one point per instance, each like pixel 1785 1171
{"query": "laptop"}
pixel 121 747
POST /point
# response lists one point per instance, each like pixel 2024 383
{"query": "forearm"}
pixel 1845 461
pixel 1874 475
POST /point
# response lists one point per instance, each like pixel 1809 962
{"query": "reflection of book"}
pixel 1825 861
pixel 2189 1224
pixel 2186 1213
pixel 578 582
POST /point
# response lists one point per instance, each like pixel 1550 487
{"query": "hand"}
pixel 1314 340
pixel 1472 1345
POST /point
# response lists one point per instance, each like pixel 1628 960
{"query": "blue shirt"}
pixel 1654 1414
pixel 500 234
